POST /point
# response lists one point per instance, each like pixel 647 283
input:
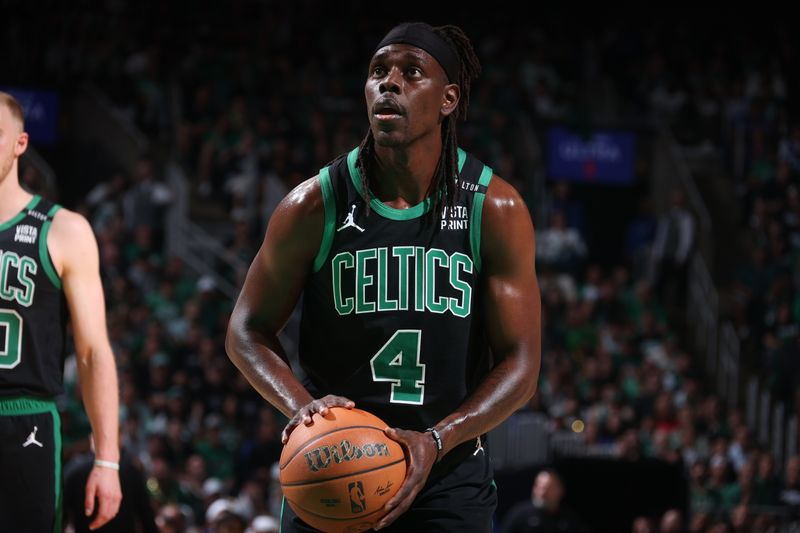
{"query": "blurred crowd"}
pixel 249 110
pixel 766 286
pixel 612 361
pixel 614 371
pixel 734 97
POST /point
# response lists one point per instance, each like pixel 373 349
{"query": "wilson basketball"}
pixel 339 472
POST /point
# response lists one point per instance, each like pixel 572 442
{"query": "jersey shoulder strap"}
pixel 329 180
pixel 40 216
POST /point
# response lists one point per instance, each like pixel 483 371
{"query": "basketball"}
pixel 338 473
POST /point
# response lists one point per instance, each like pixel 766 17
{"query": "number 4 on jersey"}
pixel 398 363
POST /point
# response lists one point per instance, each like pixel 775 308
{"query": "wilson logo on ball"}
pixel 321 457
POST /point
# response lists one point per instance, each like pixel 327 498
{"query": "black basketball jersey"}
pixel 392 316
pixel 33 312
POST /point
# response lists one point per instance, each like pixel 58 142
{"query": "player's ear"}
pixel 450 99
pixel 21 144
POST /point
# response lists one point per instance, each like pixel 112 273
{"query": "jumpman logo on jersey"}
pixel 350 221
pixel 32 439
pixel 479 447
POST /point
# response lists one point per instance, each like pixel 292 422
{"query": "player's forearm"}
pixel 98 376
pixel 263 362
pixel 505 389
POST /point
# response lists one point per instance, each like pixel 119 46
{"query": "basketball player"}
pixel 414 259
pixel 49 266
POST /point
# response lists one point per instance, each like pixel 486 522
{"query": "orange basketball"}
pixel 339 472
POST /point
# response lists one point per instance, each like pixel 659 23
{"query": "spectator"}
pixel 672 522
pixel 789 150
pixel 545 511
pixel 144 202
pixel 171 519
pixel 790 493
pixel 741 521
pixel 740 447
pixel 263 524
pixel 224 516
pixel 573 210
pixel 699 523
pixel 673 242
pixel 702 500
pixel 643 524
pixel 767 486
pixel 560 247
pixel 216 455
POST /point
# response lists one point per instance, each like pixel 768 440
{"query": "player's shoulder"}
pixel 70 223
pixel 298 220
pixel 506 226
pixel 303 202
pixel 71 241
pixel 307 198
pixel 502 199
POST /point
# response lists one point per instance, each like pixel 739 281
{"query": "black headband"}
pixel 422 36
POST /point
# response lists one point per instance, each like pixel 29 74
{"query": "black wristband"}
pixel 438 440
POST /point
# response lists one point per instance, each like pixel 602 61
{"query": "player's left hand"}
pixel 421 452
pixel 103 483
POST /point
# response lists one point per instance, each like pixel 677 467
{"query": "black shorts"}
pixel 461 500
pixel 30 462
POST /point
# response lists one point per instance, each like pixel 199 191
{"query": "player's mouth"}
pixel 387 116
pixel 387 109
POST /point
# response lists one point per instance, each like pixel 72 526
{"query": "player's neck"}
pixel 12 196
pixel 403 174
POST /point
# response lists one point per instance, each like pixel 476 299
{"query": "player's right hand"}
pixel 102 485
pixel 321 406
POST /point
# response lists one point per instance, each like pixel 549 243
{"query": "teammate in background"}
pixel 49 270
pixel 420 299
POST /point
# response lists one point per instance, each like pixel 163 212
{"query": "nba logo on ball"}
pixel 356 490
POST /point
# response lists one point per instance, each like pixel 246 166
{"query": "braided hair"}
pixel 443 186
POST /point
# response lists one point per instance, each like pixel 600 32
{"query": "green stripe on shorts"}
pixel 26 405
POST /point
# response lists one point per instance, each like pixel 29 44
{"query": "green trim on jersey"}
pixel 57 452
pixel 19 216
pixel 415 211
pixel 477 215
pixel 280 520
pixel 462 157
pixel 330 218
pixel 381 208
pixel 44 256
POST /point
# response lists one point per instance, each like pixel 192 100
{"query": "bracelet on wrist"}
pixel 437 439
pixel 106 464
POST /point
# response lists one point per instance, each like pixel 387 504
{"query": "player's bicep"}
pixel 279 270
pixel 512 311
pixel 271 289
pixel 81 281
pixel 512 299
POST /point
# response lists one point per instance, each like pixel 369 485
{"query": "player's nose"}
pixel 391 82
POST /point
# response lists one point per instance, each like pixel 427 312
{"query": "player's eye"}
pixel 378 70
